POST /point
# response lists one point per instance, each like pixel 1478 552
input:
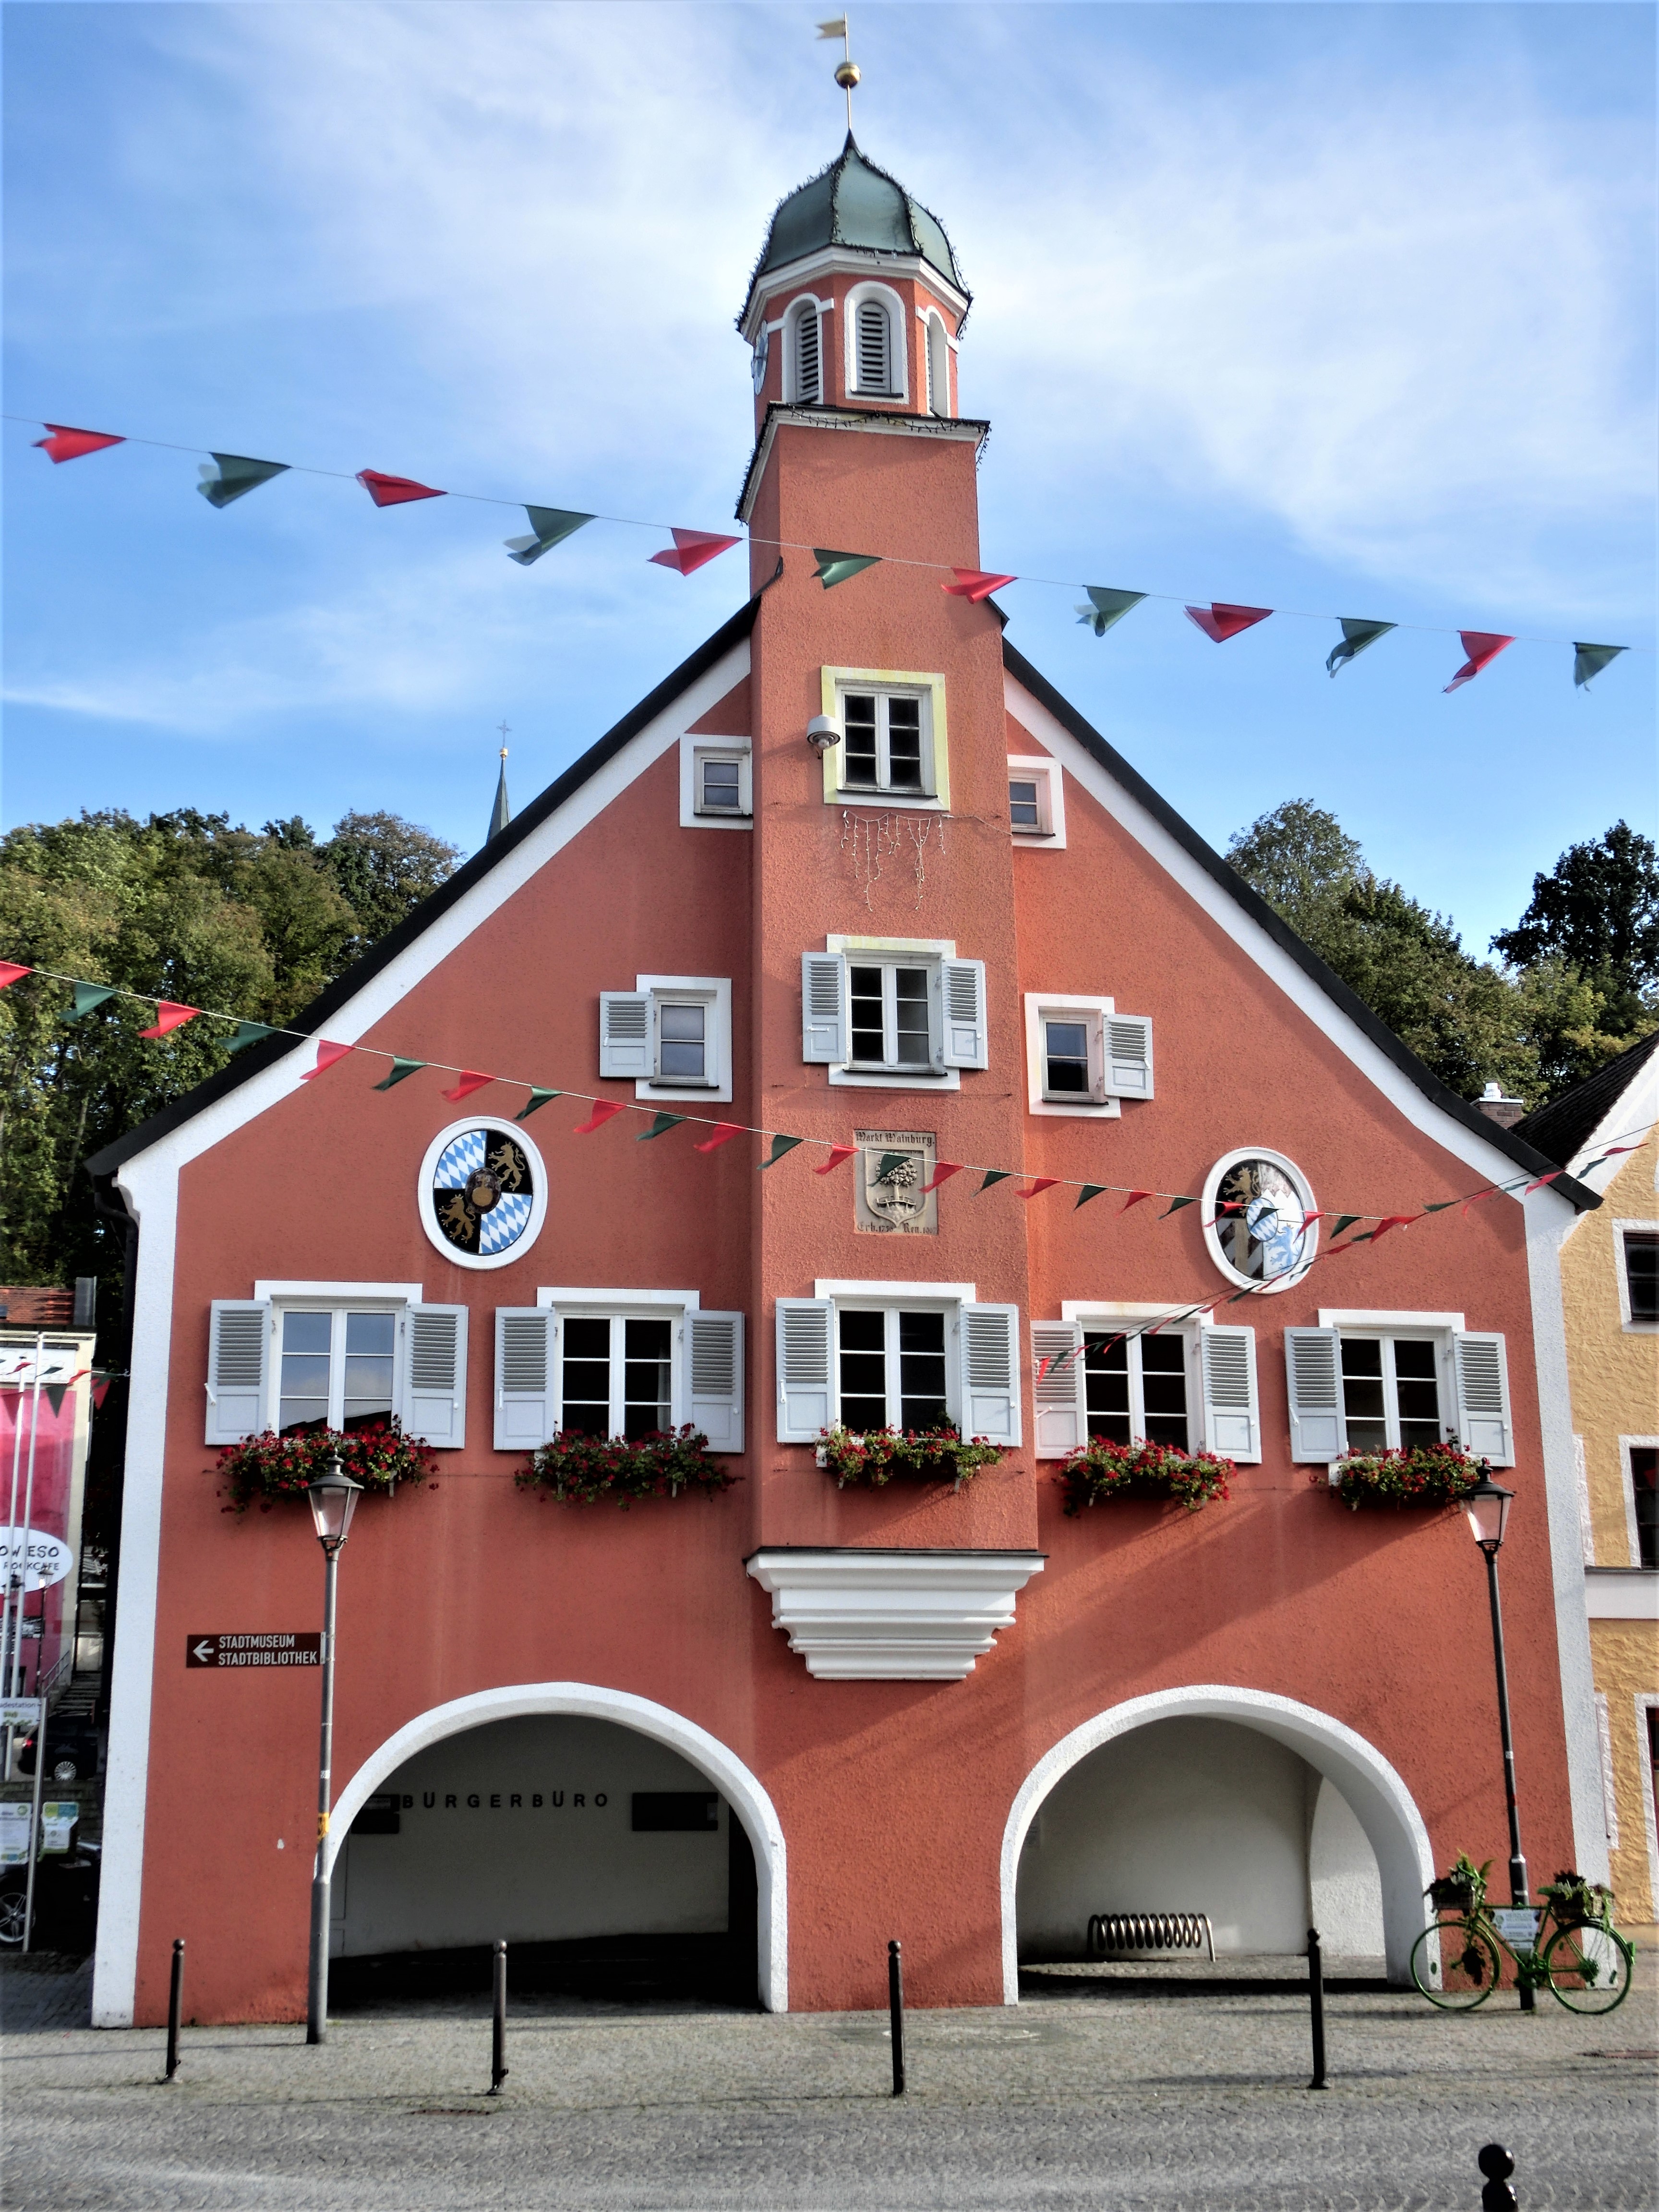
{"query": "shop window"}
pixel 671 1034
pixel 873 1356
pixel 300 1364
pixel 602 1364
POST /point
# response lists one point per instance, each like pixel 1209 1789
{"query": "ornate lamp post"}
pixel 333 1498
pixel 1487 1506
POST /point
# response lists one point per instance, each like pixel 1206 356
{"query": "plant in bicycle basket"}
pixel 261 1469
pixel 1101 1470
pixel 1425 1474
pixel 576 1469
pixel 874 1456
pixel 1462 1890
pixel 1576 1901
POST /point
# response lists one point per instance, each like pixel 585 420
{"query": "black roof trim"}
pixel 1567 1124
pixel 1283 935
pixel 345 987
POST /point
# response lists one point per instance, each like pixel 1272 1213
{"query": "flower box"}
pixel 1462 1890
pixel 1434 1475
pixel 262 1469
pixel 876 1456
pixel 575 1470
pixel 1100 1471
pixel 1575 1901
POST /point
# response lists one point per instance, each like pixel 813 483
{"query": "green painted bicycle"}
pixel 1570 1947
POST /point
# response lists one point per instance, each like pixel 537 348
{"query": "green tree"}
pixel 1597 911
pixel 183 906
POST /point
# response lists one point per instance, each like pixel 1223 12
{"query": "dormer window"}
pixel 875 347
pixel 805 353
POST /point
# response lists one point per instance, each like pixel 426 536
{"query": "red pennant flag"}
pixel 170 1017
pixel 723 1133
pixel 1039 1184
pixel 393 491
pixel 100 1390
pixel 604 1111
pixel 837 1154
pixel 1220 621
pixel 975 583
pixel 1135 1199
pixel 1541 1180
pixel 692 548
pixel 1481 646
pixel 943 1172
pixel 1477 1196
pixel 67 445
pixel 327 1055
pixel 466 1083
pixel 9 972
pixel 1394 1221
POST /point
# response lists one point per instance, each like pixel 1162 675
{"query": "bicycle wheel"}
pixel 1588 1968
pixel 1455 1963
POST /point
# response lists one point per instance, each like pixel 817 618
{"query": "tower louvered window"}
pixel 806 367
pixel 875 354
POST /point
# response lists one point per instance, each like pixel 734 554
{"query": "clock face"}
pixel 762 351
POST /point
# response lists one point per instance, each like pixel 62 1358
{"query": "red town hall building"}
pixel 800 1719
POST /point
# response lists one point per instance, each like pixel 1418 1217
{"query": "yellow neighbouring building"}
pixel 1606 1130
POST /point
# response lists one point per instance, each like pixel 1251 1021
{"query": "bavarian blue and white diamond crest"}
pixel 504 1223
pixel 460 1159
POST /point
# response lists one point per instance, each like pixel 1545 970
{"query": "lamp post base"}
pixel 316 1979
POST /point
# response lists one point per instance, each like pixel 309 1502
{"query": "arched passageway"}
pixel 562 1816
pixel 1266 1814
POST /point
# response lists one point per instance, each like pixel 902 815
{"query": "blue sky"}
pixel 1343 308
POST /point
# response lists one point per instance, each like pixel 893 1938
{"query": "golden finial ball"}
pixel 847 76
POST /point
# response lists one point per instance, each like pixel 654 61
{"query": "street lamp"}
pixel 333 1496
pixel 1487 1506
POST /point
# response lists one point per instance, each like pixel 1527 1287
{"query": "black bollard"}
pixel 175 2007
pixel 498 2069
pixel 895 2013
pixel 1316 2007
pixel 1496 2195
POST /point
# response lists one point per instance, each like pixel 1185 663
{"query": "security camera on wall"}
pixel 822 731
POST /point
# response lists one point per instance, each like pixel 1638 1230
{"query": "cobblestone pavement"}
pixel 1098 2094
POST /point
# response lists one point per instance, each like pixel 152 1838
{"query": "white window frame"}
pixel 934 797
pixel 1107 1315
pixel 931 318
pixel 713 991
pixel 1043 770
pixel 898 349
pixel 805 303
pixel 282 1298
pixel 1627 1482
pixel 1304 1189
pixel 1620 1230
pixel 694 753
pixel 1445 1329
pixel 481 1262
pixel 899 952
pixel 681 1309
pixel 953 1300
pixel 1068 1006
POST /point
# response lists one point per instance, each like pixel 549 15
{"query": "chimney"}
pixel 1506 1112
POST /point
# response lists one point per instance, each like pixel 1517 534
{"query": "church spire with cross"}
pixel 501 812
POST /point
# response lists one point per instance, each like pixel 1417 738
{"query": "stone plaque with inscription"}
pixel 892 1167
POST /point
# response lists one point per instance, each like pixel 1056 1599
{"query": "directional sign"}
pixel 19 1713
pixel 259 1647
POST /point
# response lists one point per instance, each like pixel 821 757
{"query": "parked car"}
pixel 65 1901
pixel 72 1748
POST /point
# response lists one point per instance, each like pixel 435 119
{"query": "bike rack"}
pixel 1113 1932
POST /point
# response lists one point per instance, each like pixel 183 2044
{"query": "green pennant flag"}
pixel 88 997
pixel 401 1071
pixel 835 568
pixel 1440 1205
pixel 994 1175
pixel 1356 636
pixel 890 1164
pixel 1177 1207
pixel 1589 660
pixel 235 475
pixel 1343 1221
pixel 551 526
pixel 1106 607
pixel 56 1392
pixel 1090 1190
pixel 249 1033
pixel 660 1126
pixel 779 1147
pixel 536 1100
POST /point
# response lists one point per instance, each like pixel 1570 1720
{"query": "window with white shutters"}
pixel 238 1341
pixel 592 1365
pixel 1116 1378
pixel 874 343
pixel 1390 1382
pixel 1083 1057
pixel 670 1033
pixel 302 1364
pixel 886 1013
pixel 1313 1365
pixel 906 1363
pixel 434 1405
pixel 1483 1396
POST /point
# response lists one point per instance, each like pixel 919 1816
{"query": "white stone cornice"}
pixel 858 1615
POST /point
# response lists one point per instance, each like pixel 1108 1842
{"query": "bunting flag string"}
pixel 88 997
pixel 230 476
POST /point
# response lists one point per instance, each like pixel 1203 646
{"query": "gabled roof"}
pixel 339 993
pixel 1567 1124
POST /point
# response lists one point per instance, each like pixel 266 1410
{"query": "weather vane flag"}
pixel 846 70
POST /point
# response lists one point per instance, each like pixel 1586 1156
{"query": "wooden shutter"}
pixel 1059 1414
pixel 625 1033
pixel 805 1398
pixel 961 987
pixel 989 1344
pixel 1232 1411
pixel 1313 1363
pixel 806 352
pixel 237 1336
pixel 874 371
pixel 434 1376
pixel 1483 1396
pixel 526 1412
pixel 714 1349
pixel 1128 1069
pixel 824 1023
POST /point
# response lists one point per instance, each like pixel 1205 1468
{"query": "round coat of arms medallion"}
pixel 483 1193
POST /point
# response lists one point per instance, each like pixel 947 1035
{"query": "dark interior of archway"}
pixel 613 1969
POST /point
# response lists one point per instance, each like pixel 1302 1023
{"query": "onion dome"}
pixel 853 203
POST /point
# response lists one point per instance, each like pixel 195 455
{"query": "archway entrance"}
pixel 618 1847
pixel 1267 1815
